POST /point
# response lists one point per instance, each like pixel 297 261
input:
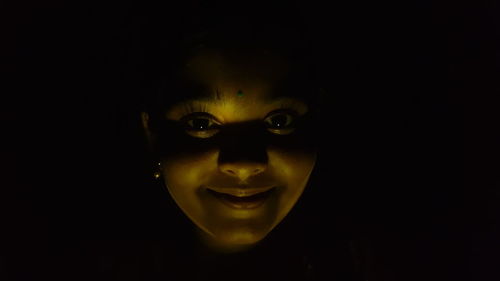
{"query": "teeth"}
pixel 244 194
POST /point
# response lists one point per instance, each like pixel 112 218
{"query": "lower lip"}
pixel 248 202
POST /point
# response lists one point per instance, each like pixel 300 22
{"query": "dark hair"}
pixel 285 36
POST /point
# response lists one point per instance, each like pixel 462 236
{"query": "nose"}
pixel 243 151
pixel 242 169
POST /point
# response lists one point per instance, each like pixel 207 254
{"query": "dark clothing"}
pixel 132 260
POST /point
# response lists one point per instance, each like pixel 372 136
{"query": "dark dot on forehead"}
pixel 240 93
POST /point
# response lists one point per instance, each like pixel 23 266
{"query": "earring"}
pixel 157 173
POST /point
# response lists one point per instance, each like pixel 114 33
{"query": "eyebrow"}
pixel 199 92
pixel 190 91
pixel 218 96
pixel 203 94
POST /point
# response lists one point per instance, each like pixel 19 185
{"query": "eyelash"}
pixel 190 108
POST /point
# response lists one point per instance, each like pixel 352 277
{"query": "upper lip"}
pixel 241 191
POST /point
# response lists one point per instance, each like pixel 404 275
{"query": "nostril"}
pixel 242 170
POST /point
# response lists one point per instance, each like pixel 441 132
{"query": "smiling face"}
pixel 239 156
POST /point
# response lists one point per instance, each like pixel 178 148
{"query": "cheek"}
pixel 294 168
pixel 292 164
pixel 185 174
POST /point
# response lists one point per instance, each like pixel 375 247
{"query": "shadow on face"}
pixel 236 152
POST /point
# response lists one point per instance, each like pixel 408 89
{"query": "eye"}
pixel 200 125
pixel 281 122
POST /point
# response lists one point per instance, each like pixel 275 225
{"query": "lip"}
pixel 241 192
pixel 242 198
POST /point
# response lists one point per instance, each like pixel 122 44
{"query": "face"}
pixel 238 153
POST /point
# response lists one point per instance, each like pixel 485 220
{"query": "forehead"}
pixel 214 73
pixel 256 62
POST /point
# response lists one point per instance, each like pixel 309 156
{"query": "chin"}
pixel 234 241
pixel 241 238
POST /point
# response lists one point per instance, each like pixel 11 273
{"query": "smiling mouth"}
pixel 241 199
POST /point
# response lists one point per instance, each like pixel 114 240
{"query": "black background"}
pixel 411 107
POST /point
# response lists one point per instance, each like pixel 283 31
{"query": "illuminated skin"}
pixel 241 144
